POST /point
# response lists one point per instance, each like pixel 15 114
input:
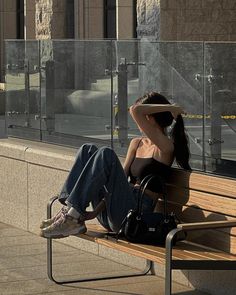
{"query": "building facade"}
pixel 61 19
pixel 171 20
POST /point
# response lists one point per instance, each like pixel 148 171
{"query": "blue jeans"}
pixel 93 168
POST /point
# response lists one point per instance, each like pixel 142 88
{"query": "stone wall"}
pixel 43 19
pixel 187 20
pixel 148 18
pixel 201 20
pixel 50 20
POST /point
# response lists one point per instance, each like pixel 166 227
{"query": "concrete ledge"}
pixel 50 156
pixel 12 150
pixel 13 192
pixel 31 173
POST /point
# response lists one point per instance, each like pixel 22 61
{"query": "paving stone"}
pixel 89 268
pixel 12 232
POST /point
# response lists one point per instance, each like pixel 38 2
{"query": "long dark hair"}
pixel 165 119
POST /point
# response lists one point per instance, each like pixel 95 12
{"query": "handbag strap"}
pixel 143 185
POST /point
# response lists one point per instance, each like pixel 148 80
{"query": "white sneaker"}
pixel 65 226
pixel 47 222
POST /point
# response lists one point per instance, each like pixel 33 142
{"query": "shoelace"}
pixel 60 220
pixel 62 211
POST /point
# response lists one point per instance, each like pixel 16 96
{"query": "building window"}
pixel 110 19
pixel 135 18
pixel 20 19
pixel 70 25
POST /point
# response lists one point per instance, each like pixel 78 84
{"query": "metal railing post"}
pixel 216 132
pixel 27 93
pixel 122 102
pixel 50 96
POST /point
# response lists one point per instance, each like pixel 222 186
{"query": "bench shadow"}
pixel 189 208
pixel 105 289
pixel 218 239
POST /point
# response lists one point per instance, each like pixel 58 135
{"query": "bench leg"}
pixel 168 274
pixel 168 270
pixel 149 264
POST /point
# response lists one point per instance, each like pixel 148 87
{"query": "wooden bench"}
pixel 206 205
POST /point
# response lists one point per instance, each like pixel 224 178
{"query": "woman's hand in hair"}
pixel 176 110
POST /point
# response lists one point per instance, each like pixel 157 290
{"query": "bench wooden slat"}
pixel 192 214
pixel 182 251
pixel 203 200
pixel 187 253
pixel 222 238
pixel 156 254
pixel 133 250
pixel 212 238
pixel 209 252
pixel 204 182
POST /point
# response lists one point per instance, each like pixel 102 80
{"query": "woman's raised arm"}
pixel 142 115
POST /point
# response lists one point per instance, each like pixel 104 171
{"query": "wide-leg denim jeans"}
pixel 93 169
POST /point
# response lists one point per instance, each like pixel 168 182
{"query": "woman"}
pixel 98 177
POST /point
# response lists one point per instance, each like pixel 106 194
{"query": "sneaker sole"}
pixel 60 236
pixel 42 225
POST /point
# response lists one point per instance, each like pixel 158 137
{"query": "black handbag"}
pixel 148 228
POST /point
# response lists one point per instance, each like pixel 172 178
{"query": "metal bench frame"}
pixel 148 268
pixel 170 264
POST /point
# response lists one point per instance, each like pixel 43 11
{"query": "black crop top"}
pixel 141 167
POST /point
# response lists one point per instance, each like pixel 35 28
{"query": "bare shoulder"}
pixel 134 142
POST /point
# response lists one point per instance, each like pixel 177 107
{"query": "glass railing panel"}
pixel 174 69
pixel 23 89
pixel 181 79
pixel 70 92
pixel 2 111
pixel 76 91
pixel 126 91
pixel 220 105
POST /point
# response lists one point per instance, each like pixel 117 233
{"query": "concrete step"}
pixel 105 85
pixel 91 103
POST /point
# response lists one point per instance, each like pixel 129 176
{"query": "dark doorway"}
pixel 70 24
pixel 135 19
pixel 110 19
pixel 20 19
